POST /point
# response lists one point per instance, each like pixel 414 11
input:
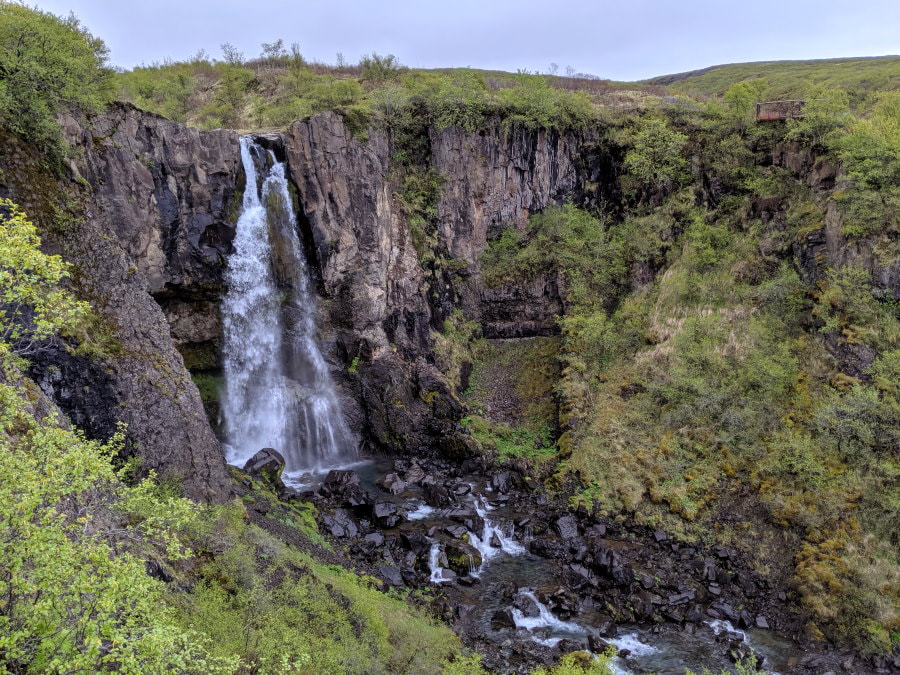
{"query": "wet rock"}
pixel 456 531
pixel 502 619
pixel 415 542
pixel 467 517
pixel 568 645
pixel 461 490
pixel 386 514
pixel 436 496
pixel 338 479
pixel 495 540
pixel 501 482
pixel 464 612
pixel 504 591
pixel 391 575
pixel 461 557
pixel 267 465
pixel 415 474
pixel 526 605
pixel 597 644
pixel 393 484
pixel 567 527
pixel 340 524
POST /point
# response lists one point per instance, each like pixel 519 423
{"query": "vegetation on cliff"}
pixel 730 370
pixel 48 66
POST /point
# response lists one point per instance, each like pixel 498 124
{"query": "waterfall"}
pixel 278 392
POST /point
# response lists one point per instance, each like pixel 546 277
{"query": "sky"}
pixel 613 39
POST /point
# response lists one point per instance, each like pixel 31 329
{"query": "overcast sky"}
pixel 615 39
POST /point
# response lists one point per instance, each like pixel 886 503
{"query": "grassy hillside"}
pixel 788 79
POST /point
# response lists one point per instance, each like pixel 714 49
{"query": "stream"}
pixel 503 592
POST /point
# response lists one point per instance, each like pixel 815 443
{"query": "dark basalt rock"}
pixel 526 605
pixel 266 465
pixel 391 575
pixel 502 619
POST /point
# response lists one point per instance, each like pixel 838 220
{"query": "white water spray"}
pixel 491 531
pixel 278 392
pixel 546 619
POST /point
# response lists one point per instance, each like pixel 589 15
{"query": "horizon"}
pixel 646 39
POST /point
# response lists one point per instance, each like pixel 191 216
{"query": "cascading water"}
pixel 278 392
pixel 490 534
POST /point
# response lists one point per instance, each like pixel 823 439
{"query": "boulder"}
pixel 567 527
pixel 526 605
pixel 502 619
pixel 461 557
pixel 266 465
pixel 391 575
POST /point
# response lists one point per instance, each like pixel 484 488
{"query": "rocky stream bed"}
pixel 524 580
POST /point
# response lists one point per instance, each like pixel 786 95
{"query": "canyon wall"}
pixel 160 201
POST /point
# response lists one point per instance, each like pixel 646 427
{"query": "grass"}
pixel 789 79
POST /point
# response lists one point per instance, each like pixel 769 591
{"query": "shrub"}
pixel 48 65
pixel 656 159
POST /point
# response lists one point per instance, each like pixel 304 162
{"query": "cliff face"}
pixel 382 301
pixel 159 222
pixel 153 195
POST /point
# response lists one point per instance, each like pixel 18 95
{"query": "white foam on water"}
pixel 434 564
pixel 482 543
pixel 421 512
pixel 631 642
pixel 546 619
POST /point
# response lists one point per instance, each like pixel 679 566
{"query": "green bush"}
pixel 48 65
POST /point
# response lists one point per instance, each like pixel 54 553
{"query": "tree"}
pixel 70 599
pixel 656 156
pixel 232 56
pixel 47 65
pixel 741 98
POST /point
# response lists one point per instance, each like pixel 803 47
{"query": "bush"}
pixel 656 159
pixel 48 65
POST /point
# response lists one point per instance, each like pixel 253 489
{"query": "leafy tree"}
pixel 48 65
pixel 70 599
pixel 824 113
pixel 741 98
pixel 656 157
pixel 870 153
pixel 377 68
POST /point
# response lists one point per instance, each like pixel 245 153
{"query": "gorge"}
pixel 552 385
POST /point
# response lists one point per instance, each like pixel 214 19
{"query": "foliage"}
pixel 32 304
pixel 581 663
pixel 870 152
pixel 280 87
pixel 656 159
pixel 48 65
pixel 379 68
pixel 741 98
pixel 786 78
pixel 74 595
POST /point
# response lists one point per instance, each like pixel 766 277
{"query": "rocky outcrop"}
pixel 383 304
pixel 151 190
